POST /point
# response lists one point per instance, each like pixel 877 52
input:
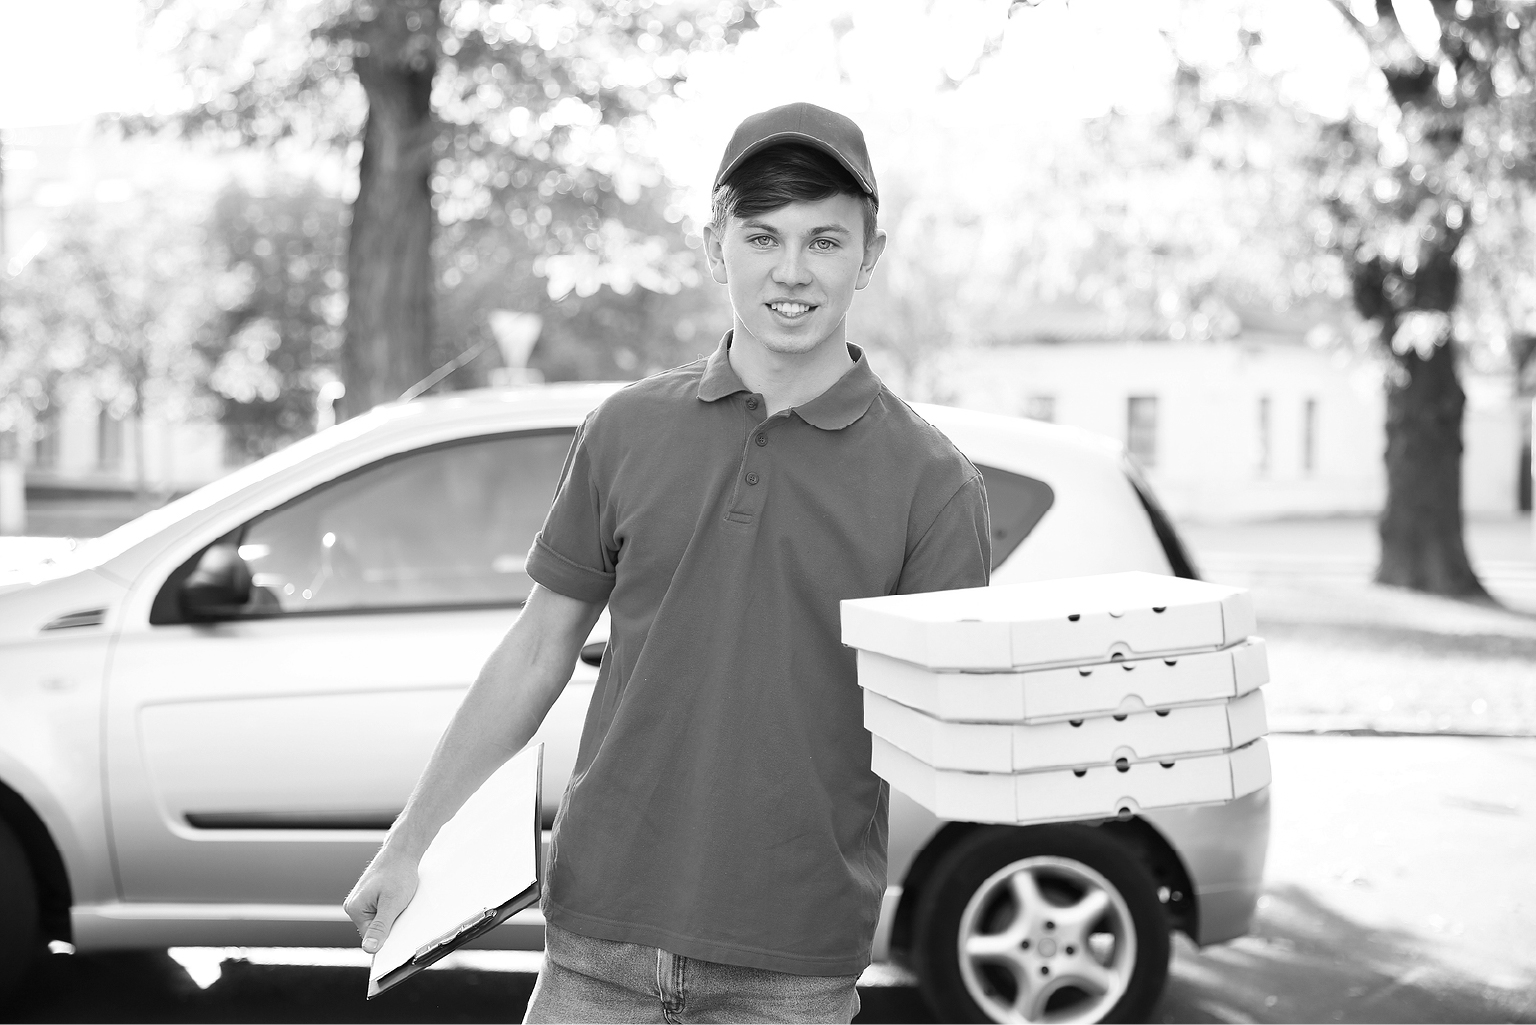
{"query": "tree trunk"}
pixel 1421 523
pixel 390 281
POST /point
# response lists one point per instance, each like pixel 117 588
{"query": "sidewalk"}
pixel 1346 654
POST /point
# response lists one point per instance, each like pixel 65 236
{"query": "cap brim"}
pixel 797 138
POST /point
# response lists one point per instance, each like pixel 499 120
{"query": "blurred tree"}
pixel 1405 194
pixel 1238 203
pixel 279 294
pixel 526 114
pixel 109 301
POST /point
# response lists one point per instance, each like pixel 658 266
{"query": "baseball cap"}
pixel 803 124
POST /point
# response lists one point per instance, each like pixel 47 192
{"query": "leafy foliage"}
pixel 279 296
pixel 539 165
pixel 110 302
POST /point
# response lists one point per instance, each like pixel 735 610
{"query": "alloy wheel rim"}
pixel 1046 939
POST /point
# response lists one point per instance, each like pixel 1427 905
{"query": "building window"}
pixel 109 440
pixel 45 453
pixel 1264 436
pixel 1141 428
pixel 1041 407
pixel 1309 437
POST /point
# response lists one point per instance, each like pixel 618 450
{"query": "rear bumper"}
pixel 1224 848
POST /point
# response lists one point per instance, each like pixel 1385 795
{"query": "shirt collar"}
pixel 839 406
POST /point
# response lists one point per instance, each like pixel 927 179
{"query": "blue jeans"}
pixel 590 980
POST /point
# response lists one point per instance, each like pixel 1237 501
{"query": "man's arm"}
pixel 514 691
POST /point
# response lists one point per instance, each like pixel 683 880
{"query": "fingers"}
pixel 383 921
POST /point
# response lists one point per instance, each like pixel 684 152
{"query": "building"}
pixel 1252 427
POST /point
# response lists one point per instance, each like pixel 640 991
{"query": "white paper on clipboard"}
pixel 483 860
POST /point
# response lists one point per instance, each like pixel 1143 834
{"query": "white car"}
pixel 209 716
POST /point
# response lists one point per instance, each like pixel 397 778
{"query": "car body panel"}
pixel 50 746
pixel 346 687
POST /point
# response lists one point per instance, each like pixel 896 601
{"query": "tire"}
pixel 20 940
pixel 1054 923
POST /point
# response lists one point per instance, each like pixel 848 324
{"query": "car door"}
pixel 258 758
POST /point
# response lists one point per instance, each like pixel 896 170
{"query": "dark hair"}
pixel 784 174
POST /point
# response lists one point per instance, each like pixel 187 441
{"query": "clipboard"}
pixel 484 866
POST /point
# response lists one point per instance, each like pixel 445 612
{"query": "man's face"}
pixel 792 271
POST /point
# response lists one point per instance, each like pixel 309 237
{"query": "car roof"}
pixel 575 399
pixel 1008 443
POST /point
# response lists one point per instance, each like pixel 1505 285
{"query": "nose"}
pixel 791 268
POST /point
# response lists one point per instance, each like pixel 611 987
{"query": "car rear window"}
pixel 1173 547
pixel 1015 504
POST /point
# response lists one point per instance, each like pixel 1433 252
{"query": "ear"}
pixel 872 253
pixel 714 252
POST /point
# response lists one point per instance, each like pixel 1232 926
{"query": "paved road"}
pixel 1398 890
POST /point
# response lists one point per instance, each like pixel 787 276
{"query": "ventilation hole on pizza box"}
pixel 1127 666
pixel 1162 711
pixel 1085 672
pixel 1159 608
pixel 1123 764
pixel 1166 765
pixel 1079 773
pixel 1124 813
pixel 1075 722
pixel 1074 617
pixel 1170 661
pixel 1117 656
pixel 1119 718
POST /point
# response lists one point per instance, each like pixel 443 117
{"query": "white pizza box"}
pixel 1056 795
pixel 1051 622
pixel 1015 747
pixel 1069 692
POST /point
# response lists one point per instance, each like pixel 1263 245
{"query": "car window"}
pixel 445 526
pixel 1173 546
pixel 1015 504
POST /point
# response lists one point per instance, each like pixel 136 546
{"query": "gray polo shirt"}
pixel 722 806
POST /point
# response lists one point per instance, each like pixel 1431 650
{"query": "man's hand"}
pixel 386 887
pixel 520 680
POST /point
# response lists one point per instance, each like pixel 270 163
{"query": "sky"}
pixel 104 66
pixel 877 60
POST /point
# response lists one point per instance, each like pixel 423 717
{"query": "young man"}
pixel 720 851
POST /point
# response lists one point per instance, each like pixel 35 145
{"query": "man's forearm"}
pixel 499 715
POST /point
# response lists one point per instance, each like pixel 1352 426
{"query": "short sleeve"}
pixel 573 554
pixel 956 549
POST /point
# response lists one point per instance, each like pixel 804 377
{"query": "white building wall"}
pixel 1208 461
pixel 178 456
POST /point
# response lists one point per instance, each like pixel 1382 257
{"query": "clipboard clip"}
pixel 447 938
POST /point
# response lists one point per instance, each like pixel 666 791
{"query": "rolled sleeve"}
pixel 956 549
pixel 572 554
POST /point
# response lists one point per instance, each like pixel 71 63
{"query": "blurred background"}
pixel 1245 238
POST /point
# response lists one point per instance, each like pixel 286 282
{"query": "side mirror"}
pixel 218 587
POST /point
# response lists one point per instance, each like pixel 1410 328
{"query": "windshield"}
pixel 96 551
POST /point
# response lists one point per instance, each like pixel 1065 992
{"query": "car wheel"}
pixel 1055 923
pixel 20 941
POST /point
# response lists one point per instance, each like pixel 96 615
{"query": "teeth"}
pixel 790 309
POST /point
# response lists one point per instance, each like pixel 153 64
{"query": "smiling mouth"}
pixel 790 310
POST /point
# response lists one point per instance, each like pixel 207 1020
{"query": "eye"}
pixel 760 241
pixel 824 245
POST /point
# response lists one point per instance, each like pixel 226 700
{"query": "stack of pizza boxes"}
pixel 1081 698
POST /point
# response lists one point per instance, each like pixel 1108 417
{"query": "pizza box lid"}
pixel 1053 622
pixel 1059 795
pixel 1069 692
pixel 997 747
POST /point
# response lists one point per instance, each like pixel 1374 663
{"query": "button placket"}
pixel 746 500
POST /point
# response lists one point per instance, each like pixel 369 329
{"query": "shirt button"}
pixel 751 478
pixel 762 440
pixel 751 403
